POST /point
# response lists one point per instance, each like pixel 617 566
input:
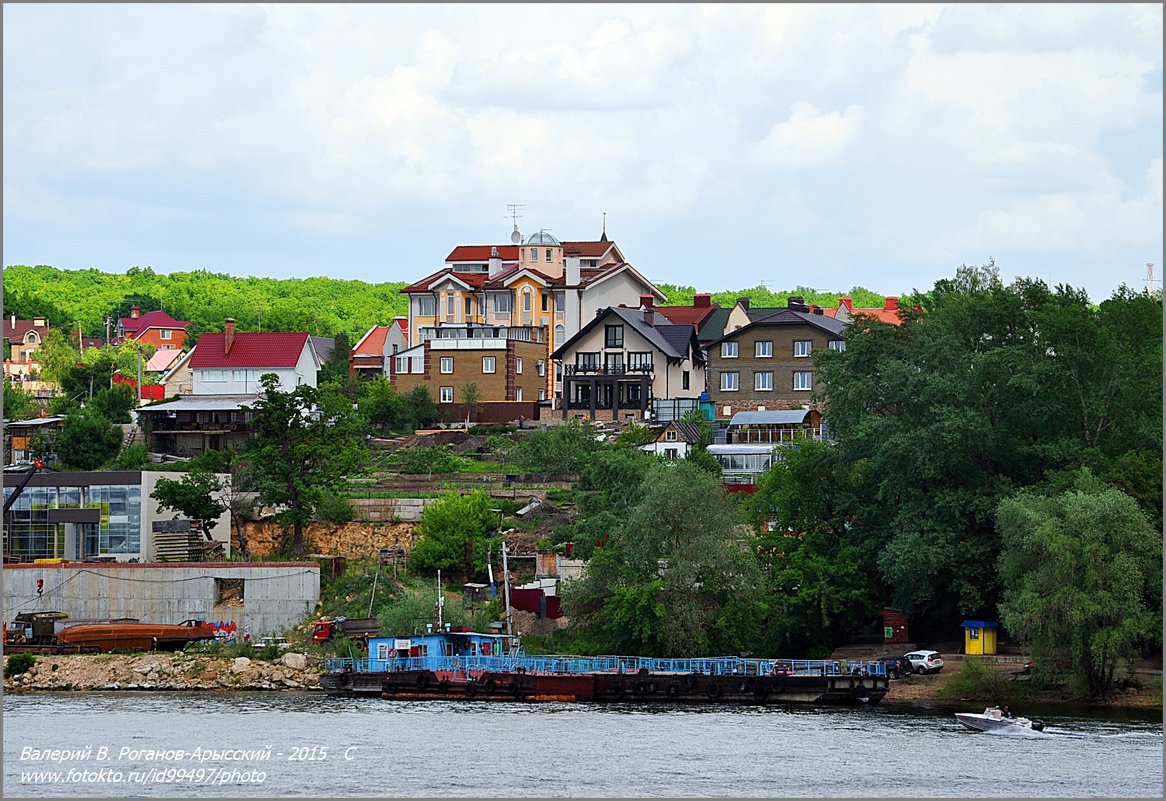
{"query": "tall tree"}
pixel 382 408
pixel 306 442
pixel 471 395
pixel 198 495
pixel 452 532
pixel 677 579
pixel 1083 578
pixel 420 407
pixel 86 441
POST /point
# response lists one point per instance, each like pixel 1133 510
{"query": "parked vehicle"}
pixel 925 661
pixel 898 666
pixel 358 629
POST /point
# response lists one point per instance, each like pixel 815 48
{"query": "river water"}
pixel 326 747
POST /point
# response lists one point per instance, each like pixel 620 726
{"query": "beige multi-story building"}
pixel 768 364
pixel 631 363
pixel 535 281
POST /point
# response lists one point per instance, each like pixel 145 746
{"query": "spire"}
pixel 603 236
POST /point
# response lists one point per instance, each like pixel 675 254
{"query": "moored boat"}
pixel 471 665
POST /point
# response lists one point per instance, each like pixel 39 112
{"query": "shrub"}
pixel 18 664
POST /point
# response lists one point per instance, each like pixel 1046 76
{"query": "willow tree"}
pixel 1082 575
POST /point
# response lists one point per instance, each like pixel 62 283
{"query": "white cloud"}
pixel 810 138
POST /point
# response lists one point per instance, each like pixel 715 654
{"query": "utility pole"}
pixel 139 392
pixel 506 586
pixel 107 323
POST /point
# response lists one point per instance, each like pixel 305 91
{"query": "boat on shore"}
pixel 453 664
pixel 132 635
pixel 994 719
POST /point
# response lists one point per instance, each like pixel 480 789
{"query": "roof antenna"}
pixel 512 210
pixel 603 237
pixel 1150 279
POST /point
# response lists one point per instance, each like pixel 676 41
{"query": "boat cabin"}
pixel 386 653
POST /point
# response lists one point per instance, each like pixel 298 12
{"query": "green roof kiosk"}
pixel 979 637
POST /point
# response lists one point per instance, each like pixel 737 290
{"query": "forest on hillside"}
pixel 319 305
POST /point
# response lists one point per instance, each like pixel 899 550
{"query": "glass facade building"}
pixel 75 519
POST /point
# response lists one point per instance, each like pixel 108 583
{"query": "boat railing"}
pixel 463 666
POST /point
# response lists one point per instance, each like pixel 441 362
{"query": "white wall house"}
pixel 232 363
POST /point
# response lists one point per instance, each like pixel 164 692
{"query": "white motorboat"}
pixel 994 719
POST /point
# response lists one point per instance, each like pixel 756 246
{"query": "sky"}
pixel 730 146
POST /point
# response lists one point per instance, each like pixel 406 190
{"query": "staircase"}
pixel 132 435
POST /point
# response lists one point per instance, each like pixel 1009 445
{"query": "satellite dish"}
pixel 515 237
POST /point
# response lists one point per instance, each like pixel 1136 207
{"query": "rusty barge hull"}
pixel 655 688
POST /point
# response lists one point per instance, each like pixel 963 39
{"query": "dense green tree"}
pixel 382 408
pixel 562 448
pixel 198 495
pixel 19 403
pixel 818 567
pixel 306 442
pixel 86 441
pixel 56 356
pixel 1082 575
pixel 420 409
pixel 609 485
pixel 114 403
pixel 452 535
pixel 676 579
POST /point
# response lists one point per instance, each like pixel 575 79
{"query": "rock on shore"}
pixel 168 671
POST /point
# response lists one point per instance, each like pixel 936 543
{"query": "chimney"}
pixel 228 336
pixel 702 300
pixel 13 319
pixel 573 268
pixel 135 312
pixel 796 303
pixel 743 303
pixel 495 262
pixel 819 310
pixel 892 303
pixel 847 302
pixel 38 322
pixel 649 316
pixel 647 301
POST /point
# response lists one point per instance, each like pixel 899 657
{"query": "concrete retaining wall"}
pixel 387 510
pixel 276 595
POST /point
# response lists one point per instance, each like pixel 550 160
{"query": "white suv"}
pixel 925 661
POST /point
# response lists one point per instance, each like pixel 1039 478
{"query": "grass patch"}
pixel 981 681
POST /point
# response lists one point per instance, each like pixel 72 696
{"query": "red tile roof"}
pixel 373 343
pixel 16 332
pixel 691 315
pixel 475 280
pixel 481 253
pixel 154 319
pixel 592 250
pixel 250 349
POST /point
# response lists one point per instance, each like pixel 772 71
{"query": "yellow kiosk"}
pixel 979 637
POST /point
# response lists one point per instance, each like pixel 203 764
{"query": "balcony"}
pixel 599 370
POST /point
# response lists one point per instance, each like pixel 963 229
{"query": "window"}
pixel 640 361
pixel 763 349
pixel 469 307
pixel 549 254
pixel 426 305
pixel 684 378
pixel 837 344
pixel 502 303
pixel 728 350
pixel 526 299
pixel 614 336
pixel 447 364
pixel 763 381
pixel 487 364
pixel 402 364
pixel 546 301
pixel 729 382
pixel 560 301
pixel 587 361
pixel 214 375
pixel 518 393
pixel 671 453
pixel 670 435
pixel 542 368
pixel 803 380
pixel 560 335
pixel 447 394
pixel 613 361
pixel 449 299
pixel 165 333
pixel 518 365
pixel 534 254
pixel 802 347
pixel 542 394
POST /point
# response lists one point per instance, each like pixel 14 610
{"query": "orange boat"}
pixel 134 636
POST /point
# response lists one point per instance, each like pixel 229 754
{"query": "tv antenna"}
pixel 1150 279
pixel 512 211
